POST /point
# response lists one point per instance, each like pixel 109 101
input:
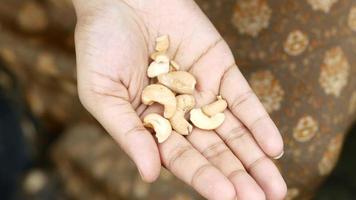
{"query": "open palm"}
pixel 114 39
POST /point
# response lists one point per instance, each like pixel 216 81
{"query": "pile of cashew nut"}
pixel 174 90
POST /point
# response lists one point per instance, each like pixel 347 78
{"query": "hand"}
pixel 114 39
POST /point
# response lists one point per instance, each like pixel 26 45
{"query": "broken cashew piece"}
pixel 162 43
pixel 202 121
pixel 181 82
pixel 161 126
pixel 184 104
pixel 159 66
pixel 162 95
pixel 216 107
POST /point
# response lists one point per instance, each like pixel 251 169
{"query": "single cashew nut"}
pixel 181 82
pixel 162 95
pixel 174 65
pixel 155 54
pixel 162 58
pixel 184 104
pixel 159 66
pixel 202 121
pixel 159 56
pixel 216 107
pixel 161 126
pixel 162 43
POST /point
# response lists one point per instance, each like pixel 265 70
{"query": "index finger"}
pixel 245 105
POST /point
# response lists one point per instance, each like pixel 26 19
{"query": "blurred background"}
pixel 51 148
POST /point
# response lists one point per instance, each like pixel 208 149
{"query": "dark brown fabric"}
pixel 299 57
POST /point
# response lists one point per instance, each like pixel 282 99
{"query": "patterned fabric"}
pixel 298 56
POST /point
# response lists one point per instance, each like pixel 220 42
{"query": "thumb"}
pixel 121 121
pixel 103 94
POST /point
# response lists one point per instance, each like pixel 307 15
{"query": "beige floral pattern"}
pixel 32 17
pixel 352 19
pixel 306 129
pixel 8 56
pixel 292 193
pixel 352 104
pixel 35 181
pixel 46 64
pixel 323 5
pixel 296 43
pixel 35 100
pixel 334 71
pixel 268 89
pixel 330 156
pixel 251 16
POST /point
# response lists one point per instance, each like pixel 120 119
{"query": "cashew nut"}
pixel 162 95
pixel 154 55
pixel 161 126
pixel 159 66
pixel 202 121
pixel 162 58
pixel 179 81
pixel 184 104
pixel 216 107
pixel 162 43
pixel 175 65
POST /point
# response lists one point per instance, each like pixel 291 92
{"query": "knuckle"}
pixel 257 162
pixel 235 134
pixel 198 173
pixel 177 154
pixel 240 99
pixel 215 150
pixel 256 122
pixel 236 172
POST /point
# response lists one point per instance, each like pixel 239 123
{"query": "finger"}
pixel 181 158
pixel 189 165
pixel 101 79
pixel 212 64
pixel 241 142
pixel 210 145
pixel 245 105
pixel 122 123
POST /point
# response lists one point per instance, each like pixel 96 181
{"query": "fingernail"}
pixel 279 156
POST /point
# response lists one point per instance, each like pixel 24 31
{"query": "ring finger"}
pixel 215 150
pixel 242 143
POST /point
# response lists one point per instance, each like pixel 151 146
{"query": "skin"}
pixel 114 39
